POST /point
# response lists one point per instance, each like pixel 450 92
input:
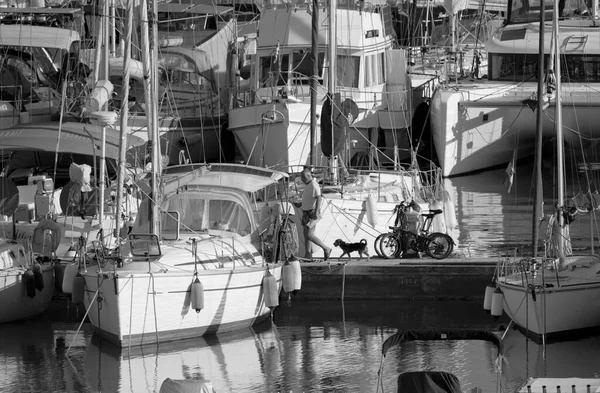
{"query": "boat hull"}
pixel 563 308
pixel 136 308
pixel 478 127
pixel 14 302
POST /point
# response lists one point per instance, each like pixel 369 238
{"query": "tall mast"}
pixel 331 87
pixel 156 154
pixel 124 114
pixel 537 205
pixel 314 56
pixel 559 136
pixel 332 82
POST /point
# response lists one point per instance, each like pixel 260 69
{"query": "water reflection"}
pixel 492 222
pixel 312 346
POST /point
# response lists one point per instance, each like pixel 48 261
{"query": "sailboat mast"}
pixel 538 203
pixel 124 114
pixel 331 87
pixel 559 135
pixel 156 153
pixel 331 82
pixel 151 119
pixel 314 56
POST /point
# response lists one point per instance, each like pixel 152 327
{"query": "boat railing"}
pixel 297 89
pixel 528 269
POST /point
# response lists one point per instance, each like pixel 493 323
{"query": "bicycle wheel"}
pixel 439 245
pixel 390 246
pixel 377 243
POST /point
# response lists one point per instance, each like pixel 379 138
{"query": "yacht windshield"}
pixel 516 67
pixel 526 11
pixel 201 212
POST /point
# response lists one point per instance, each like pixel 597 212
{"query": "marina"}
pixel 298 197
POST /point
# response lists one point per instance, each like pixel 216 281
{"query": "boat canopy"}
pixel 246 178
pixel 76 138
pixel 201 9
pixel 445 335
pixel 191 60
pixel 37 36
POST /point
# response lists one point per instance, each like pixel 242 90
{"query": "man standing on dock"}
pixel 311 204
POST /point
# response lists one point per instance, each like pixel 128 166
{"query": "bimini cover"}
pixel 428 382
pixel 186 386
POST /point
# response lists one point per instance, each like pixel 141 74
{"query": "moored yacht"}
pixel 271 116
pixel 479 124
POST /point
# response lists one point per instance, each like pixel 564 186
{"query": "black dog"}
pixel 348 248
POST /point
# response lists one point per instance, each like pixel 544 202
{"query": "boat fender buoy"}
pixel 449 212
pixel 271 294
pixel 372 210
pixel 532 289
pixel 71 271
pixel 497 301
pixel 78 289
pixel 29 278
pixel 197 295
pixel 287 275
pixel 292 275
pixel 487 299
pixel 38 277
pixel 295 264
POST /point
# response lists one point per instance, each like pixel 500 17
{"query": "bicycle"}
pixel 394 244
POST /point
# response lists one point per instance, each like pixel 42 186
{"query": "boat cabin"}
pixel 284 50
pixel 513 50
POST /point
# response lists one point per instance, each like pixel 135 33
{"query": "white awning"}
pixel 37 36
pixel 244 177
pixel 76 138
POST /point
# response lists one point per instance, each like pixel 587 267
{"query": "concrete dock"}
pixel 401 279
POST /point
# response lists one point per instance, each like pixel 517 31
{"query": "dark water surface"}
pixel 312 346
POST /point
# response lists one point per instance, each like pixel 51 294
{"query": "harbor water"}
pixel 310 346
pixel 320 346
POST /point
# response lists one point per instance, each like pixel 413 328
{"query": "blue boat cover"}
pixel 428 382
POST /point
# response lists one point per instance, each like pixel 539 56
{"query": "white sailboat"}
pixel 195 246
pixel 555 296
pixel 360 143
pixel 26 285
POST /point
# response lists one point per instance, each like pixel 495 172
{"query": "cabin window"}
pixel 229 216
pixel 348 68
pixel 523 11
pixel 274 70
pixel 302 65
pixel 522 68
pixel 197 213
pixel 374 69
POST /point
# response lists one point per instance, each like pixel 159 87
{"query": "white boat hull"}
pixel 569 302
pixel 477 127
pixel 135 307
pixel 14 302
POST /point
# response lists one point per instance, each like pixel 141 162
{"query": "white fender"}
pixel 372 212
pixel 449 212
pixel 71 271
